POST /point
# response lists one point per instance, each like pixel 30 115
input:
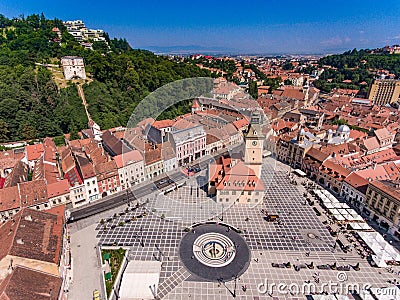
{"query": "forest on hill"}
pixel 357 68
pixel 31 104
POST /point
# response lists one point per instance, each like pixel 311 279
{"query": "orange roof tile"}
pixel 34 151
pixel 9 198
pixel 58 188
pixel 125 158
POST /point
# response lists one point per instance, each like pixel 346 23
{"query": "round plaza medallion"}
pixel 214 249
pixel 214 253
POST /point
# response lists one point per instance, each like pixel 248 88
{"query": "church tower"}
pixel 254 144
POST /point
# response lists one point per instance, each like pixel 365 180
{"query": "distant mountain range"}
pixel 216 51
pixel 190 49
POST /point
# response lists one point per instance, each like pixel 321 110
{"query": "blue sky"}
pixel 268 26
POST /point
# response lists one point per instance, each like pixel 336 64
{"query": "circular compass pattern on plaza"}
pixel 214 252
pixel 214 249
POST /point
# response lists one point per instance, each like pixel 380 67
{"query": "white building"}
pixel 341 136
pixel 78 195
pixel 81 33
pixel 131 168
pixel 73 67
pixel 168 157
pixel 354 188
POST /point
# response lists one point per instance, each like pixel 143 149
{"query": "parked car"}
pixel 96 295
pixel 272 218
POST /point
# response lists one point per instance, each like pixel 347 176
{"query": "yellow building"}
pixel 384 91
pixel 383 204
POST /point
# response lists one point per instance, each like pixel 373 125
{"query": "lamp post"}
pixel 233 293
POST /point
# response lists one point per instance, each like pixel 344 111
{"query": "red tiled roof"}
pixel 317 155
pixel 9 198
pixel 383 134
pixel 371 143
pixel 25 283
pixel 357 182
pixel 357 135
pixel 34 235
pixel 195 104
pixel 239 124
pixel 58 188
pixel 131 156
pixel 32 192
pixel 332 167
pixel 34 151
pixel 106 170
pixel 241 178
pixel 389 187
pixel 152 155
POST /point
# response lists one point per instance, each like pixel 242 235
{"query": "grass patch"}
pixel 59 140
pixel 115 260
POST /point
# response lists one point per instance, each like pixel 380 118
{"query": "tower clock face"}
pixel 254 143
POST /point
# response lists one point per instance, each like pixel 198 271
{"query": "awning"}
pixel 299 172
pixel 140 280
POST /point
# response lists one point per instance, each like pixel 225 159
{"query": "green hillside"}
pixel 33 106
pixel 357 66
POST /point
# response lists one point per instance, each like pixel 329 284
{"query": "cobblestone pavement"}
pixel 154 232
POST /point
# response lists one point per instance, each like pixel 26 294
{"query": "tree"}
pixel 3 131
pixel 287 66
pixel 73 134
pixel 287 82
pixel 253 90
pixel 31 106
pixel 28 132
pixel 339 122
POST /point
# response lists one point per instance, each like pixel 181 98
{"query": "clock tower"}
pixel 254 144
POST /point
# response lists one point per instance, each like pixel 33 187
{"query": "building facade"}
pixel 189 144
pixel 254 144
pixel 131 168
pixel 383 204
pixel 73 67
pixel 384 91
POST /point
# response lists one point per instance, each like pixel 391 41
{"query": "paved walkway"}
pixel 300 239
pixel 85 265
pixel 82 96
